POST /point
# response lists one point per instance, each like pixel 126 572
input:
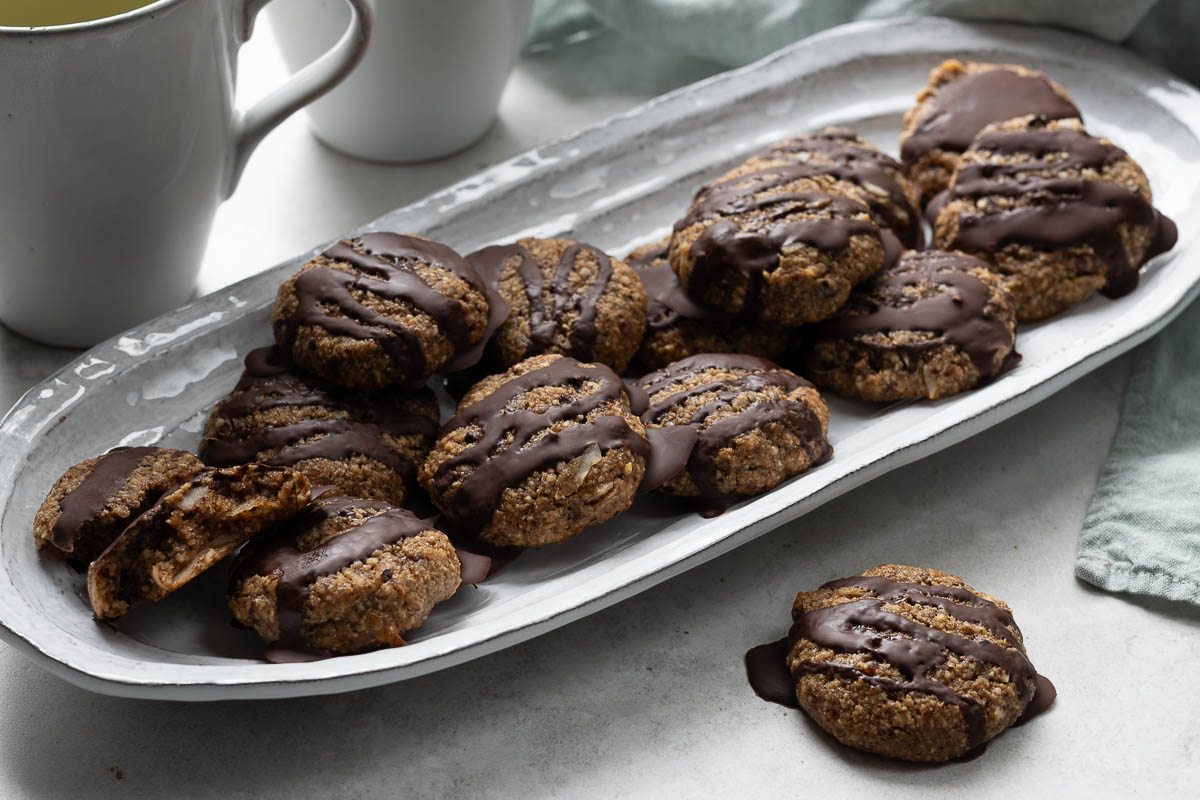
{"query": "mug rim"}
pixel 87 25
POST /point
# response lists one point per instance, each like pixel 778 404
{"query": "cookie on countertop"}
pixel 770 241
pixel 363 443
pixel 744 425
pixel 564 297
pixel 910 663
pixel 677 326
pixel 385 309
pixel 958 102
pixel 93 501
pixel 933 325
pixel 537 454
pixel 188 530
pixel 344 575
pixel 1056 212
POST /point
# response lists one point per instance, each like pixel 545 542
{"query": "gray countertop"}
pixel 649 697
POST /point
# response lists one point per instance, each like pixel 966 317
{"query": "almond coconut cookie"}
pixel 385 309
pixel 564 297
pixel 188 530
pixel 343 576
pixel 89 506
pixel 771 241
pixel 742 425
pixel 958 102
pixel 364 444
pixel 677 326
pixel 1056 212
pixel 537 454
pixel 933 325
pixel 910 663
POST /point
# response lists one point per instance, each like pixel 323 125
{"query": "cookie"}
pixel 564 297
pixel 677 326
pixel 345 575
pixel 876 178
pixel 958 102
pixel 770 241
pixel 1056 212
pixel 537 454
pixel 89 506
pixel 385 309
pixel 363 443
pixel 934 325
pixel 188 530
pixel 745 424
pixel 909 663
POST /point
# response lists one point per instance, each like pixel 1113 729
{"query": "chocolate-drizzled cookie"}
pixel 385 309
pixel 93 501
pixel 958 102
pixel 188 530
pixel 1056 212
pixel 344 575
pixel 877 178
pixel 910 663
pixel 564 297
pixel 537 454
pixel 772 241
pixel 933 325
pixel 366 444
pixel 677 326
pixel 740 425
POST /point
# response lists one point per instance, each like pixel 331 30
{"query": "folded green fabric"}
pixel 1142 530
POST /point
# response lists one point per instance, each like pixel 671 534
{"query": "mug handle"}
pixel 251 125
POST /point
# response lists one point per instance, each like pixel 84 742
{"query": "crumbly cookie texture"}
pixel 345 575
pixel 564 297
pixel 188 530
pixel 910 663
pixel 933 325
pixel 1056 212
pixel 538 453
pixel 363 443
pixel 958 102
pixel 93 501
pixel 677 326
pixel 753 424
pixel 771 241
pixel 385 309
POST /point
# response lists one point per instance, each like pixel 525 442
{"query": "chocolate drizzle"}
pixel 1063 212
pixel 270 382
pixel 710 438
pixel 385 265
pixel 550 302
pixel 963 107
pixel 527 438
pixel 89 498
pixel 667 302
pixel 959 316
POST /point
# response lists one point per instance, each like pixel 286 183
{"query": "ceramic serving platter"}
pixel 617 185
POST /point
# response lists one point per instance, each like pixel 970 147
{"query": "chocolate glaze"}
pixel 1065 212
pixel 766 669
pixel 385 265
pixel 752 253
pixel 667 302
pixel 269 381
pixel 471 506
pixel 962 108
pixel 700 458
pixel 845 156
pixel 89 498
pixel 298 569
pixel 549 303
pixel 959 317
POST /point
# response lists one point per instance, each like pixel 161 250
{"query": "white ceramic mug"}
pixel 118 140
pixel 430 85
